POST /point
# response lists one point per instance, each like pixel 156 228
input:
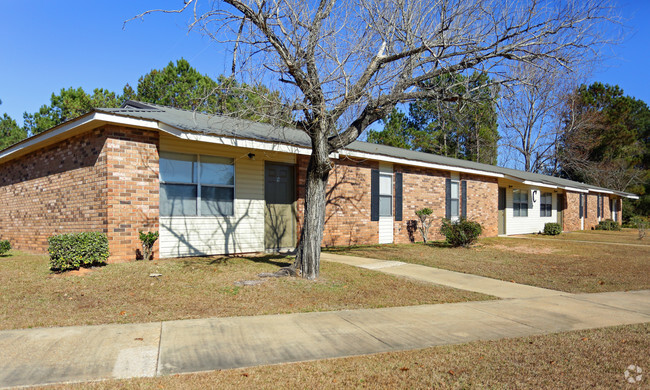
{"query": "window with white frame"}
pixel 519 203
pixel 196 185
pixel 546 205
pixel 454 198
pixel 385 194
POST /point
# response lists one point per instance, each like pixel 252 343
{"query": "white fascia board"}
pixel 529 182
pixel 90 119
pixel 575 189
pixel 601 191
pixel 631 196
pixel 240 142
pixel 537 184
pixel 416 163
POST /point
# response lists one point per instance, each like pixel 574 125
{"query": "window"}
pixel 546 204
pixel 385 194
pixel 455 199
pixel 519 203
pixel 192 185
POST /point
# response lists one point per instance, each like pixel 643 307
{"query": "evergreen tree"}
pixel 605 142
pixel 463 126
pixel 10 132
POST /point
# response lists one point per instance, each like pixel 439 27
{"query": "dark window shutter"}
pixel 448 198
pixel 374 195
pixel 586 208
pixel 398 196
pixel 463 202
pixel 598 206
pixel 581 204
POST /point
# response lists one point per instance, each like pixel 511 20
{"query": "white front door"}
pixel 385 204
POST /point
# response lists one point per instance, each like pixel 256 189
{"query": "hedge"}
pixel 72 251
pixel 552 229
pixel 5 246
pixel 462 232
pixel 608 224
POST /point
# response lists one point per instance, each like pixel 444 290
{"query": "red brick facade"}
pixel 347 214
pixel 572 212
pixel 82 184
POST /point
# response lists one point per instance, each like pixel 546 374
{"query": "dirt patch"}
pixel 523 249
pixel 76 272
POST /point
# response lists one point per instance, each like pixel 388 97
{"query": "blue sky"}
pixel 49 45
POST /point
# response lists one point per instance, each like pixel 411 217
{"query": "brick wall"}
pixel 54 190
pixel 572 212
pixel 483 202
pixel 132 189
pixel 591 220
pixel 82 184
pixel 347 214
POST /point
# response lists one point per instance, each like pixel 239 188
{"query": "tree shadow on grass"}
pixel 212 261
pixel 272 259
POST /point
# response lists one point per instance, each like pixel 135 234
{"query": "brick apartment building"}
pixel 216 185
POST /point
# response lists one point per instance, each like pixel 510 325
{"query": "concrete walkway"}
pixel 54 355
pixel 86 353
pixel 497 288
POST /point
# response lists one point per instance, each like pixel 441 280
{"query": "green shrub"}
pixel 148 239
pixel 5 246
pixel 608 224
pixel 552 229
pixel 641 223
pixel 461 232
pixel 71 251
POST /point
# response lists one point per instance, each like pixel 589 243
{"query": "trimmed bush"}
pixel 148 239
pixel 552 229
pixel 461 232
pixel 5 246
pixel 608 224
pixel 72 251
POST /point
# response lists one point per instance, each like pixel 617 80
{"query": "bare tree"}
pixel 531 115
pixel 344 65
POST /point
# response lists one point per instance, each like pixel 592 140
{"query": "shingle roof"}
pixel 238 128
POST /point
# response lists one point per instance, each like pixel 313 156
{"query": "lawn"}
pixel 581 359
pixel 625 236
pixel 559 264
pixel 32 296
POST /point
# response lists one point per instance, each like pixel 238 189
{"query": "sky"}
pixel 48 45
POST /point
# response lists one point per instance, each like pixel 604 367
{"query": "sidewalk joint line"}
pixel 159 348
pixel 363 330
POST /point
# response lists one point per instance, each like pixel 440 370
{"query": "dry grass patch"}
pixel 576 360
pixel 625 236
pixel 556 264
pixel 31 296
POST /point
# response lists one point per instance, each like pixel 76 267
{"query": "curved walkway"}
pixel 459 280
pixel 85 353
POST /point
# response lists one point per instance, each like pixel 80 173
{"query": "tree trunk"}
pixel 308 254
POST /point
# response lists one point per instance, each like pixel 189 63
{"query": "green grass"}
pixel 32 296
pixel 560 264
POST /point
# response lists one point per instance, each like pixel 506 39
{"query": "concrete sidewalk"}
pixel 54 355
pixel 497 288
